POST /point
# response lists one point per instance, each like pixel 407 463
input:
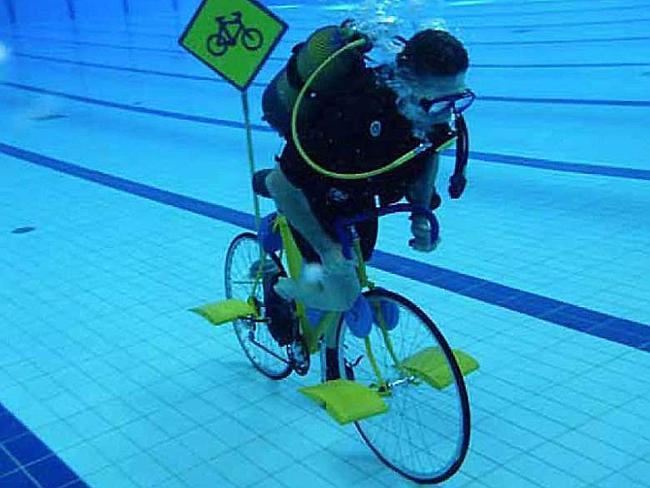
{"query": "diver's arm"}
pixel 422 192
pixel 291 201
pixel 332 286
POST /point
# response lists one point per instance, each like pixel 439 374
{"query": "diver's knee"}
pixel 278 185
pixel 259 182
pixel 273 182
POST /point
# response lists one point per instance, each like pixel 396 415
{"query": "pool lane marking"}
pixel 580 319
pixel 177 51
pixel 567 167
pixel 26 461
pixel 214 79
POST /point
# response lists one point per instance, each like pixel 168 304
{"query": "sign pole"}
pixel 235 38
pixel 251 156
pixel 251 166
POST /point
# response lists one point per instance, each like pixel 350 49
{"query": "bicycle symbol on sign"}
pixel 219 43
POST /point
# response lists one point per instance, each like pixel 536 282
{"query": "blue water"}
pixel 124 175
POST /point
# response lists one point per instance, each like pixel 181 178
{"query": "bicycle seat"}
pixel 259 183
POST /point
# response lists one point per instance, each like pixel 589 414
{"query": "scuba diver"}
pixel 355 119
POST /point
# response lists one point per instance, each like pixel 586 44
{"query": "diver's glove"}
pixel 422 239
pixel 334 287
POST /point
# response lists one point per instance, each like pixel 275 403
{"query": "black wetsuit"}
pixel 353 130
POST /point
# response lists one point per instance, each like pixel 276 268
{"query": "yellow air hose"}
pixel 343 176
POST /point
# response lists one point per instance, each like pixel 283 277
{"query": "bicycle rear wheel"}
pixel 256 340
pixel 216 45
pixel 424 436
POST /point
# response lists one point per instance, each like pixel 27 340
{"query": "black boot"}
pixel 332 366
pixel 279 312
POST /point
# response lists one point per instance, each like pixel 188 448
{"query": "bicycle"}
pixel 217 44
pixel 401 384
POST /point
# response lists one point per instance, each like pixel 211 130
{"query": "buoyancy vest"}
pixel 360 129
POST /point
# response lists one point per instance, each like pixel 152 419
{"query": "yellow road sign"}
pixel 233 37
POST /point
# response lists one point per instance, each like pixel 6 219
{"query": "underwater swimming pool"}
pixel 124 176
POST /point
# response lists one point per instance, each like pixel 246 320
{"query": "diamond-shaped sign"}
pixel 233 37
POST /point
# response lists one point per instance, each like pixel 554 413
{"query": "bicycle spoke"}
pixel 260 348
pixel 423 434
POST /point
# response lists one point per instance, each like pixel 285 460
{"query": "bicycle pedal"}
pixel 225 311
pixel 346 401
pixel 431 366
pixel 300 358
pixel 281 313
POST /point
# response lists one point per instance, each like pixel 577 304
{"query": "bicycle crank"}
pixel 299 356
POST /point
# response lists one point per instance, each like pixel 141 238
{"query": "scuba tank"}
pixel 280 95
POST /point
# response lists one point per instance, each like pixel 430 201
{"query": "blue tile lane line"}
pixel 207 209
pixel 11 11
pixel 214 79
pixel 567 101
pixel 134 108
pixel 561 65
pixel 615 329
pixel 294 41
pixel 26 462
pixel 462 28
pixel 543 12
pixel 612 171
pixel 210 79
pixel 175 51
pixel 72 12
pixel 561 41
pixel 452 15
pixel 588 169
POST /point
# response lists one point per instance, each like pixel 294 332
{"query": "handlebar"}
pixel 346 234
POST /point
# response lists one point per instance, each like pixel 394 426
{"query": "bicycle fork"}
pixel 383 386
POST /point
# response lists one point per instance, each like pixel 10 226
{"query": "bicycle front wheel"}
pixel 242 260
pixel 424 436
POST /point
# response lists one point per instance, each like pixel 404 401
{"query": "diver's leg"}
pixel 368 235
pixel 335 285
pixel 293 203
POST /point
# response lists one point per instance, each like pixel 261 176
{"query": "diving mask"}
pixel 458 103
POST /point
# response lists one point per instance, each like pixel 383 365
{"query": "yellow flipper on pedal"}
pixel 225 311
pixel 431 365
pixel 346 401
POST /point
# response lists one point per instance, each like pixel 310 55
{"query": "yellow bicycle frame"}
pixel 312 333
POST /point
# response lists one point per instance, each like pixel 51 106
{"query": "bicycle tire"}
pixel 367 427
pixel 244 327
pixel 215 41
